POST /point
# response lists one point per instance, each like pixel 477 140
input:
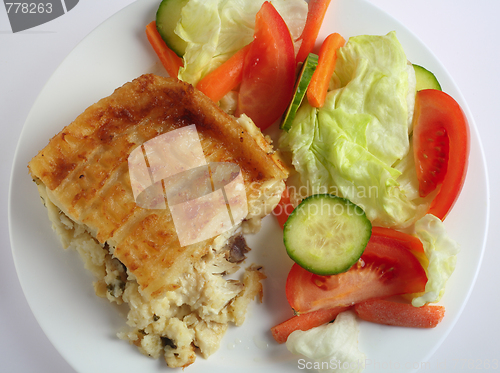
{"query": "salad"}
pixel 378 154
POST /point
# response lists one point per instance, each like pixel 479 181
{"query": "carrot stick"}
pixel 171 61
pixel 305 321
pixel 318 87
pixel 283 209
pixel 315 16
pixel 399 314
pixel 224 78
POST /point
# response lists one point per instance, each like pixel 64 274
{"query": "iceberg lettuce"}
pixel 333 346
pixel 216 29
pixel 441 251
pixel 358 144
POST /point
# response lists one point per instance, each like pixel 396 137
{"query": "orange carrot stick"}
pixel 171 61
pixel 315 16
pixel 305 321
pixel 318 87
pixel 283 209
pixel 400 314
pixel 224 78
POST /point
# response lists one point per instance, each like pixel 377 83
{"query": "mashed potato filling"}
pixel 192 318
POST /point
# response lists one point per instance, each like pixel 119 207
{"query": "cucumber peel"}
pixel 167 17
pixel 301 84
pixel 425 79
pixel 326 234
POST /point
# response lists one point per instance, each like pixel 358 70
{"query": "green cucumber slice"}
pixel 167 17
pixel 301 84
pixel 425 79
pixel 326 234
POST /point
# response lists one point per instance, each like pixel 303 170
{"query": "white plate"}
pixel 83 327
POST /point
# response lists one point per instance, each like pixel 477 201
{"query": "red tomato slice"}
pixel 393 237
pixel 409 241
pixel 441 146
pixel 386 268
pixel 268 70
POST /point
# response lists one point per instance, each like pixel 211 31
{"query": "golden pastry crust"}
pixel 84 169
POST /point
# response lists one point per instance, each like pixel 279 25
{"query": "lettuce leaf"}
pixel 333 346
pixel 357 145
pixel 441 251
pixel 216 29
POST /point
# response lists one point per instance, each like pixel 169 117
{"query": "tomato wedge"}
pixel 386 268
pixel 268 71
pixel 410 242
pixel 394 237
pixel 441 147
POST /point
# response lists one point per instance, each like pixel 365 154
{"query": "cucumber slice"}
pixel 425 79
pixel 167 17
pixel 326 234
pixel 301 84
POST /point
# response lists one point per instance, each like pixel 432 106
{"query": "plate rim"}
pixel 459 97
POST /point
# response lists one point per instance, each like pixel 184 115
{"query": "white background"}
pixel 464 35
